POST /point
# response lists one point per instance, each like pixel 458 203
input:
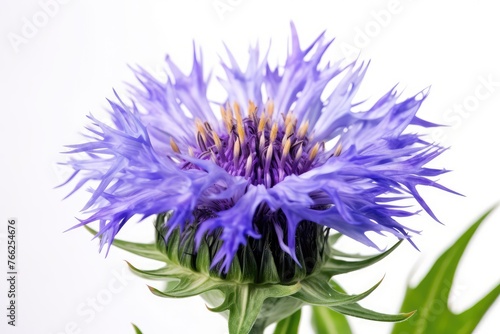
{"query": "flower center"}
pixel 259 147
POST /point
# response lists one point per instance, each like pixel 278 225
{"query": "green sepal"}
pixel 352 309
pixel 248 266
pixel 336 266
pixel 269 268
pixel 358 311
pixel 316 290
pixel 289 325
pixel 203 259
pixel 184 290
pixel 435 289
pixel 243 301
pixel 300 272
pixel 148 251
pixel 249 305
pixel 155 274
pixel 186 282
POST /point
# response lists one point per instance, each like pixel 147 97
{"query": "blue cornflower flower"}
pixel 281 166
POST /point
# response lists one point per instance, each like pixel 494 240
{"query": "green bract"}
pixel 250 296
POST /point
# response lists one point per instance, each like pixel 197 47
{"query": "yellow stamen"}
pixel 190 151
pixel 174 146
pixel 236 150
pixel 217 141
pixel 237 110
pixel 303 129
pixel 252 109
pixel 269 155
pixel 288 119
pixel 274 133
pixel 239 122
pixel 226 119
pixel 338 150
pixel 262 123
pixel 201 129
pixel 248 167
pixel 314 152
pixel 288 132
pixel 289 129
pixel 286 149
pixel 262 141
pixel 298 155
pixel 270 108
pixel 223 113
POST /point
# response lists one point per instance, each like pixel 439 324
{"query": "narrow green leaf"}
pixel 156 274
pixel 430 296
pixel 188 287
pixel 471 317
pixel 335 266
pixel 325 320
pixel 316 290
pixel 137 330
pixel 358 311
pixel 289 325
pixel 149 251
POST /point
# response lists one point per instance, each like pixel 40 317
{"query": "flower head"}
pixel 281 161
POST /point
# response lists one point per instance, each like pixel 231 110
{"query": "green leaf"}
pixel 149 251
pixel 316 290
pixel 137 330
pixel 289 325
pixel 356 310
pixel 325 320
pixel 430 296
pixel 187 288
pixel 473 315
pixel 334 266
pixel 359 311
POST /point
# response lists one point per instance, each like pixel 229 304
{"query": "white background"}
pixel 52 77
